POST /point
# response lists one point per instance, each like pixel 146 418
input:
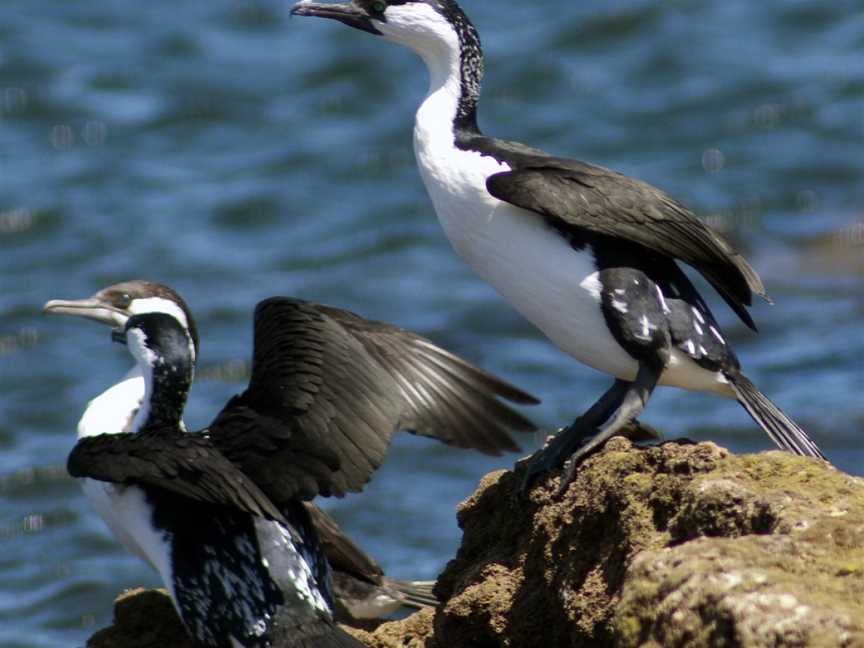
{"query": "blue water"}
pixel 234 153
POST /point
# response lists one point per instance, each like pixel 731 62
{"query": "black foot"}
pixel 572 445
pixel 564 445
pixel 610 415
pixel 639 432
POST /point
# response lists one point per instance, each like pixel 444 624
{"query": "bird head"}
pixel 115 304
pixel 426 26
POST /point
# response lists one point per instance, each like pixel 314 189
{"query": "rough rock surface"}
pixel 143 619
pixel 663 547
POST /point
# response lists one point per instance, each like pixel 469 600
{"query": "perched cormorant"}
pixel 243 560
pixel 586 254
pixel 361 588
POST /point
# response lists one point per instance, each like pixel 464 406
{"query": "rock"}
pixel 411 632
pixel 671 546
pixel 143 619
pixel 679 545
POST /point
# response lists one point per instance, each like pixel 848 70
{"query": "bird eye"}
pixel 379 7
pixel 124 300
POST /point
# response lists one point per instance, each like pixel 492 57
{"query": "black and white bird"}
pixel 586 254
pixel 316 418
pixel 362 589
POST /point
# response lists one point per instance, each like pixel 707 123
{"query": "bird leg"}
pixel 609 416
pixel 571 438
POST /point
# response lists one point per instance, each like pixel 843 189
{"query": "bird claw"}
pixel 562 447
pixel 570 447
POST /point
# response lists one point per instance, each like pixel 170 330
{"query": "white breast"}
pixel 123 508
pixel 117 506
pixel 527 262
pixel 111 411
pixel 517 253
pixel 130 517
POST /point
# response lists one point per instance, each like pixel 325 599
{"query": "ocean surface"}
pixel 235 153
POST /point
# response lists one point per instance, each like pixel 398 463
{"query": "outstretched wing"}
pixel 579 195
pixel 185 464
pixel 317 416
pixel 441 395
pixel 324 400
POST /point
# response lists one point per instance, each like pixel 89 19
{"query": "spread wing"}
pixel 587 197
pixel 323 402
pixel 185 464
pixel 441 395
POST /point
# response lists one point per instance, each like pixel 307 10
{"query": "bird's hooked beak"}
pixel 349 13
pixel 91 308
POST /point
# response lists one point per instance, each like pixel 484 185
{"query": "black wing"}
pixel 185 464
pixel 322 403
pixel 441 395
pixel 604 202
pixel 314 419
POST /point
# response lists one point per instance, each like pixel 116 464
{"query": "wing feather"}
pixel 601 201
pixel 442 396
pixel 185 464
pixel 329 389
pixel 316 396
pixel 342 554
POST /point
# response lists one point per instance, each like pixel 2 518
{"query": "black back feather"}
pixel 590 198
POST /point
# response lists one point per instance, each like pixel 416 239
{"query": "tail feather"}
pixel 317 633
pixel 416 594
pixel 782 429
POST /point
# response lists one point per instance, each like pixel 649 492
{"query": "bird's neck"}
pixel 451 102
pixel 455 64
pixel 166 387
pixel 447 117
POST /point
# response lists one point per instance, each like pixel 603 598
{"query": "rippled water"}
pixel 233 153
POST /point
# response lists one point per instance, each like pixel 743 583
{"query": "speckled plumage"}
pixel 179 501
pixel 213 534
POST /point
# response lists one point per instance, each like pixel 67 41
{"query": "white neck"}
pixel 433 127
pixel 120 408
pixel 455 179
pixel 528 263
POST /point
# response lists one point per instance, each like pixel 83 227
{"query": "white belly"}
pixel 526 261
pixel 109 503
pixel 549 283
pixel 126 512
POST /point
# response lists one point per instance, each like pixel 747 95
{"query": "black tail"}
pixel 318 633
pixel 417 594
pixel 782 429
